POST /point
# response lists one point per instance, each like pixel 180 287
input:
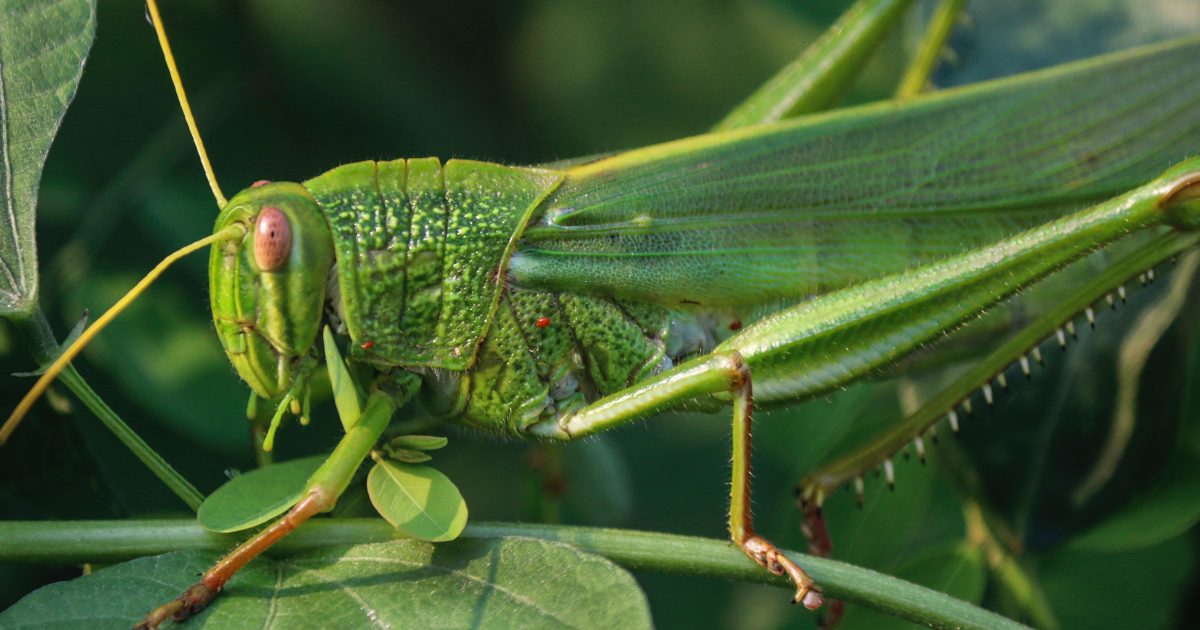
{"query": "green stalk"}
pixel 819 76
pixel 1006 570
pixel 45 349
pixel 113 541
pixel 925 60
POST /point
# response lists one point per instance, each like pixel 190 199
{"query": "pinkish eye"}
pixel 272 239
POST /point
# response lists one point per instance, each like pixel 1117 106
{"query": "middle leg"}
pixel 741 521
pixel 722 372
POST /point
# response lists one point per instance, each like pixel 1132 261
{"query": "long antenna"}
pixel 183 102
pixel 73 350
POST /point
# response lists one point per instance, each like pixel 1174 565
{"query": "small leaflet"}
pixel 417 500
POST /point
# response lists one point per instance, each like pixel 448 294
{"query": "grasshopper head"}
pixel 268 286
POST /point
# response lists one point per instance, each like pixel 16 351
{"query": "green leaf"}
pixel 475 583
pixel 1144 588
pixel 258 496
pixel 42 48
pixel 408 456
pixel 346 394
pixel 411 449
pixel 417 500
pixel 1167 510
pixel 419 442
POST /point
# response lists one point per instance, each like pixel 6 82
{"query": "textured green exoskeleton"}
pixel 769 263
pixel 267 321
pixel 641 260
pixel 765 262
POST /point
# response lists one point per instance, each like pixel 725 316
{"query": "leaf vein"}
pixel 368 610
pixel 9 203
pixel 517 597
pixel 273 605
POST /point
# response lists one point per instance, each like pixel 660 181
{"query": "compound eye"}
pixel 272 239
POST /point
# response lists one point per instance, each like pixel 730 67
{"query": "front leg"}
pixel 320 495
pixel 722 372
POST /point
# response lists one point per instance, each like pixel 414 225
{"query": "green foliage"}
pixel 411 449
pixel 257 496
pixel 1164 511
pixel 173 371
pixel 36 84
pixel 419 442
pixel 533 82
pixel 418 500
pixel 494 583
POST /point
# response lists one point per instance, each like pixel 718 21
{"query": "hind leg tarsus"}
pixel 741 522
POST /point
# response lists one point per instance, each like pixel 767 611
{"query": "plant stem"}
pixel 1008 572
pixel 112 541
pixel 820 75
pixel 916 78
pixel 45 349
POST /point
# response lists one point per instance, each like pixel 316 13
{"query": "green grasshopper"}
pixel 757 264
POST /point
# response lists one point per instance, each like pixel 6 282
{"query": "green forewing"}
pixel 791 210
pixel 258 496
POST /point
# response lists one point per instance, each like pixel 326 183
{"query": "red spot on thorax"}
pixel 261 182
pixel 735 324
pixel 367 345
pixel 542 322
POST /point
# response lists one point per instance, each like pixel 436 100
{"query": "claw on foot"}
pixel 189 603
pixel 767 556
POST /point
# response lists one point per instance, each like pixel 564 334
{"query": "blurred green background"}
pixel 285 89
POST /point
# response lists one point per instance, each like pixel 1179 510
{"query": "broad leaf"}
pixel 258 496
pixel 1167 510
pixel 418 500
pixel 1144 588
pixel 476 583
pixel 42 47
